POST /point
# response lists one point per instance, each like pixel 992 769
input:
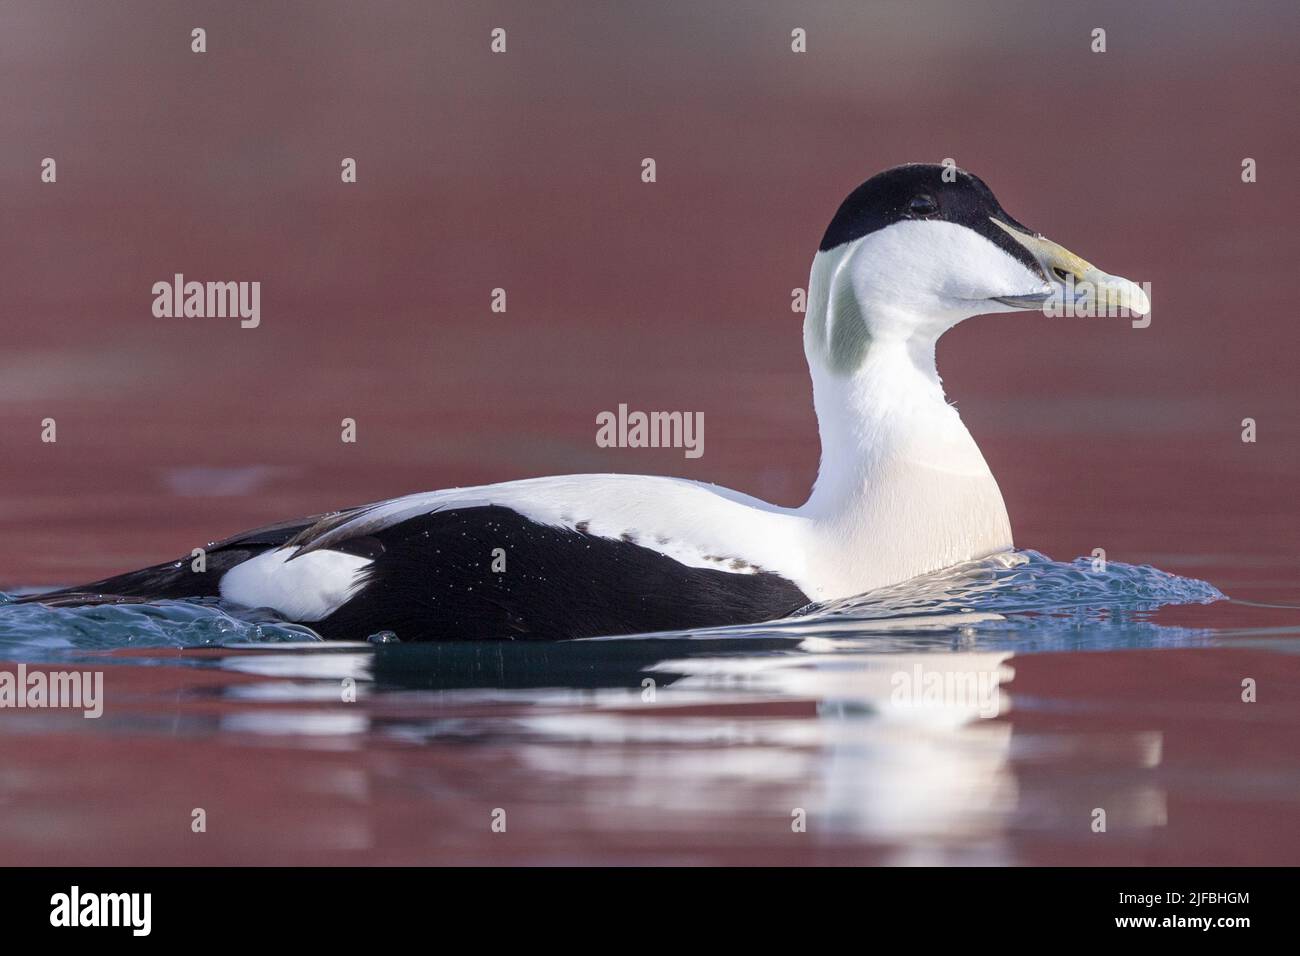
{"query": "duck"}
pixel 902 489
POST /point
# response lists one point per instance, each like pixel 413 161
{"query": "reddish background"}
pixel 479 170
pixel 522 171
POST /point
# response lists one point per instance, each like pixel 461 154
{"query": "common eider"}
pixel 902 488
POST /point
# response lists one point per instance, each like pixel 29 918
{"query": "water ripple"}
pixel 1020 582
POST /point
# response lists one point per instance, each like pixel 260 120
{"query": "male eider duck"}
pixel 902 488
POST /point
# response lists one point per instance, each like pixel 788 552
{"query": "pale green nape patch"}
pixel 849 335
pixel 839 330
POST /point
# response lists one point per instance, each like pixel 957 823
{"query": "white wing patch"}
pixel 310 588
pixel 701 526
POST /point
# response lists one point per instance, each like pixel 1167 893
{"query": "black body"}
pixel 432 579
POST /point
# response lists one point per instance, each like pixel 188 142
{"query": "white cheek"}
pixel 982 270
pixel 935 265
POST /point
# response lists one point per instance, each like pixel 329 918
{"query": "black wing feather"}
pixel 176 580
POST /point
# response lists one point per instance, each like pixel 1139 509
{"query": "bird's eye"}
pixel 922 207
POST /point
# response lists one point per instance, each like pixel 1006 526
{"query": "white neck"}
pixel 902 489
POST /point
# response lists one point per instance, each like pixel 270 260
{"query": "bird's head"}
pixel 918 248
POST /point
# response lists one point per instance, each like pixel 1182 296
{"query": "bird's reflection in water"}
pixel 905 741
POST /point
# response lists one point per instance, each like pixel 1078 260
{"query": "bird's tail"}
pixel 194 576
pixel 173 581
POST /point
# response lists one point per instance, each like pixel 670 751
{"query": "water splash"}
pixel 1022 594
pixel 1026 582
pixel 28 630
pixel 1020 601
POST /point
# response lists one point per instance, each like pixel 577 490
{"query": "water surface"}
pixel 981 715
